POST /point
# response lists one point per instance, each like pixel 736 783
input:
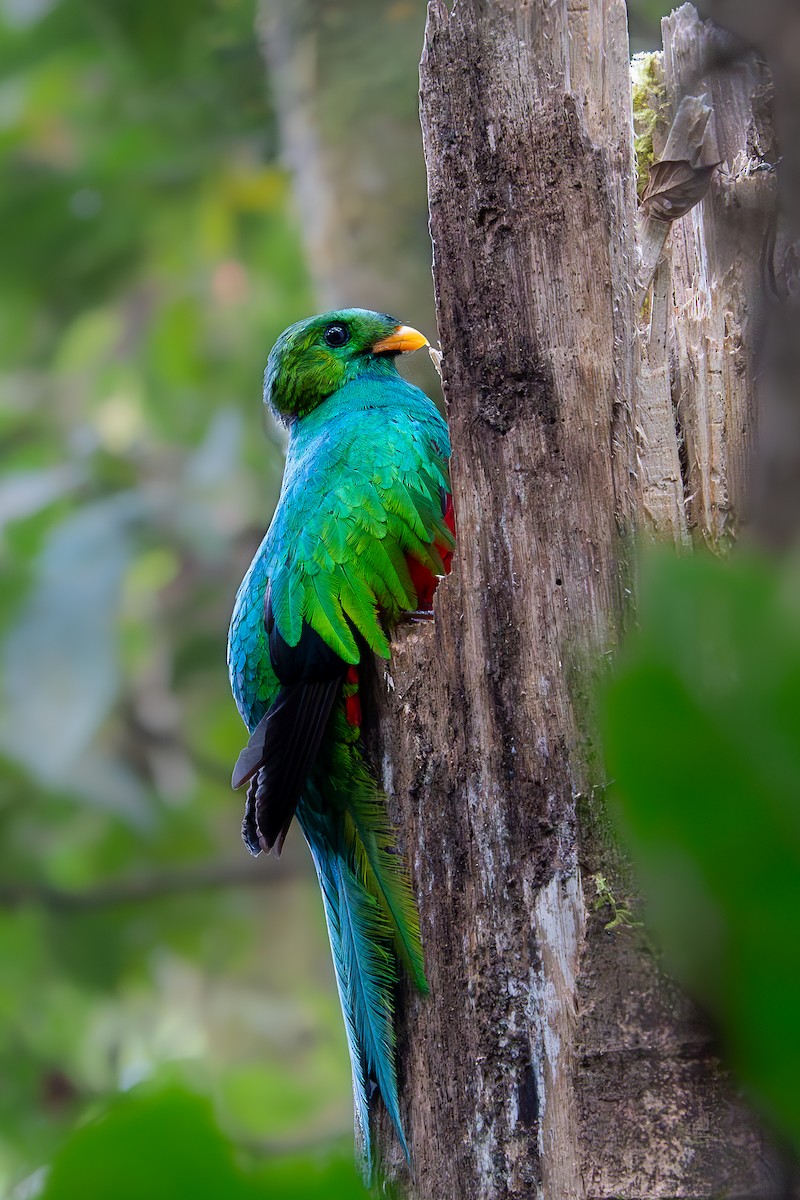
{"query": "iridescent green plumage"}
pixel 362 525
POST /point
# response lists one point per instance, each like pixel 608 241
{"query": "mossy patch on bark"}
pixel 651 109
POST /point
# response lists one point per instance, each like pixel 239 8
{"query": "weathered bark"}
pixel 552 1059
pixel 660 470
pixel 716 256
pixel 663 491
pixel 772 26
pixel 698 387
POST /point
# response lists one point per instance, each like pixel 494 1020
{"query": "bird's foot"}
pixel 421 616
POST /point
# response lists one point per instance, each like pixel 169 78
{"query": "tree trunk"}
pixel 697 396
pixel 552 1059
pixel 772 26
pixel 716 256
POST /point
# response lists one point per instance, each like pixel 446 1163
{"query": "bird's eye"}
pixel 337 335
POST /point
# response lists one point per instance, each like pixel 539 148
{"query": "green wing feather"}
pixel 360 603
pixel 287 595
pixel 323 611
pixel 361 491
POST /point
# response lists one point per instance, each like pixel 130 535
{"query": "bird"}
pixel 362 533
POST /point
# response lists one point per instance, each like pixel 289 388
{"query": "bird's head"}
pixel 314 358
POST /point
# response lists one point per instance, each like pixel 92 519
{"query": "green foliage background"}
pixel 157 990
pixel 150 258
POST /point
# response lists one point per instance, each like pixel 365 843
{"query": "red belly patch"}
pixel 425 582
pixel 352 700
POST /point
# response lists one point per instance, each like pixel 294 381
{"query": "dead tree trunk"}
pixel 552 1058
pixel 716 256
pixel 773 27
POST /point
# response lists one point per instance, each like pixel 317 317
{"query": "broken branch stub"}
pixel 675 187
pixel 677 183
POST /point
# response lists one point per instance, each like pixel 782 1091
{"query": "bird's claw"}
pixel 421 616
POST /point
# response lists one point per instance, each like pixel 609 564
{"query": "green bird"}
pixel 362 532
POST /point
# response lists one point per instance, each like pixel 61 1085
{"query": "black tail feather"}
pixel 279 756
pixel 249 826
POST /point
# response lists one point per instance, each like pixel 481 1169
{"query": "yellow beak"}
pixel 403 340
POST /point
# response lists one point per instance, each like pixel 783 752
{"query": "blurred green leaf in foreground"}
pixel 165 1144
pixel 702 730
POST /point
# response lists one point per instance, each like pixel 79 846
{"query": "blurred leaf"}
pixel 314 1178
pixel 89 338
pixel 23 493
pixel 166 1144
pixel 266 1102
pixel 160 1146
pixel 60 661
pixel 701 729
